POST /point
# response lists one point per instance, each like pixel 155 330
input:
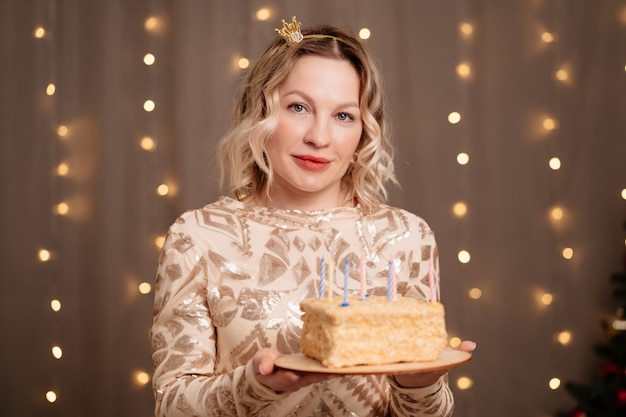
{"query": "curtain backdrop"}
pixel 77 180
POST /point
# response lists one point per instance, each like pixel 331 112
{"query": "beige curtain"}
pixel 102 242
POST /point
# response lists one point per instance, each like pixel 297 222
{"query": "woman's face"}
pixel 318 131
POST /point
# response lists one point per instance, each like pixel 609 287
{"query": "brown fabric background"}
pixel 104 247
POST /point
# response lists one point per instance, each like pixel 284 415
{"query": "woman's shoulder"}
pixel 408 219
pixel 212 213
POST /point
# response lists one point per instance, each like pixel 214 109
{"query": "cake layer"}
pixel 373 331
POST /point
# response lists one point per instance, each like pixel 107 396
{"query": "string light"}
pixel 464 383
pixel 554 383
pixel 51 396
pixel 57 352
pixel 149 59
pixel 459 209
pixel 55 305
pixel 454 342
pixel 564 337
pixel 462 158
pixel 549 123
pixel 62 169
pixel 464 256
pixel 554 163
pixel 546 299
pixel 44 255
pixel 263 14
pixel 547 37
pixel 147 144
pixel 144 288
pixel 466 29
pixel 149 105
pixel 62 131
pixel 567 253
pixel 464 70
pixel 243 63
pixel 454 117
pixel 475 293
pixel 39 32
pixel 365 33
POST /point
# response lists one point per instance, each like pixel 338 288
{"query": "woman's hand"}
pixel 429 378
pixel 278 379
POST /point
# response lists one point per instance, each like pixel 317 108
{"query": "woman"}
pixel 308 156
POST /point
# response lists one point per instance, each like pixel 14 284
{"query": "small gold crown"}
pixel 291 32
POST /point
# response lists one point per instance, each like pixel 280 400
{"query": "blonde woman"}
pixel 305 161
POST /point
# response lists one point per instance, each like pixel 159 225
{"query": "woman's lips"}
pixel 311 163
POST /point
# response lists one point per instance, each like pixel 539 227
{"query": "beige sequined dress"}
pixel 229 282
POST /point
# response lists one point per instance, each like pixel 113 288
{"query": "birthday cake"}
pixel 373 331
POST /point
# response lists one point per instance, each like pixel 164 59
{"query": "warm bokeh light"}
pixel 62 169
pixel 44 255
pixel 51 396
pixel 466 29
pixel 564 337
pixel 142 378
pixel 462 158
pixel 464 256
pixel 263 14
pixel 549 123
pixel 39 32
pixel 51 89
pixel 454 117
pixel 546 299
pixel 61 209
pixel 555 163
pixel 464 383
pixel 147 144
pixel 561 75
pixel 568 253
pixel 149 59
pixel 158 241
pixel 459 209
pixel 365 33
pixel 57 352
pixel 151 24
pixel 163 189
pixel 144 288
pixel 463 70
pixel 556 213
pixel 454 342
pixel 62 131
pixel 149 105
pixel 55 305
pixel 547 37
pixel 243 63
pixel 475 293
pixel 623 193
pixel 554 383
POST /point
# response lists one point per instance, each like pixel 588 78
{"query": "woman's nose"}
pixel 318 133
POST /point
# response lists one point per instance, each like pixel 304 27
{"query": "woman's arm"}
pixel 184 348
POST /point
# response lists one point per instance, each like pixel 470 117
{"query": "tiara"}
pixel 292 35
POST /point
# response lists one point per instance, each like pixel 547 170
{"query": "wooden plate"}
pixel 449 358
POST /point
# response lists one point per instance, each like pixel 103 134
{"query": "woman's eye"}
pixel 298 108
pixel 344 117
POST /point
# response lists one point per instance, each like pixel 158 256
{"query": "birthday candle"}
pixel 346 273
pixel 362 277
pixel 431 282
pixel 389 281
pixel 322 276
pixel 394 285
pixel 331 278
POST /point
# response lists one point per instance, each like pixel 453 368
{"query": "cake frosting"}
pixel 373 331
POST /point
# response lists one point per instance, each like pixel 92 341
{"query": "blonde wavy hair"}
pixel 244 167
